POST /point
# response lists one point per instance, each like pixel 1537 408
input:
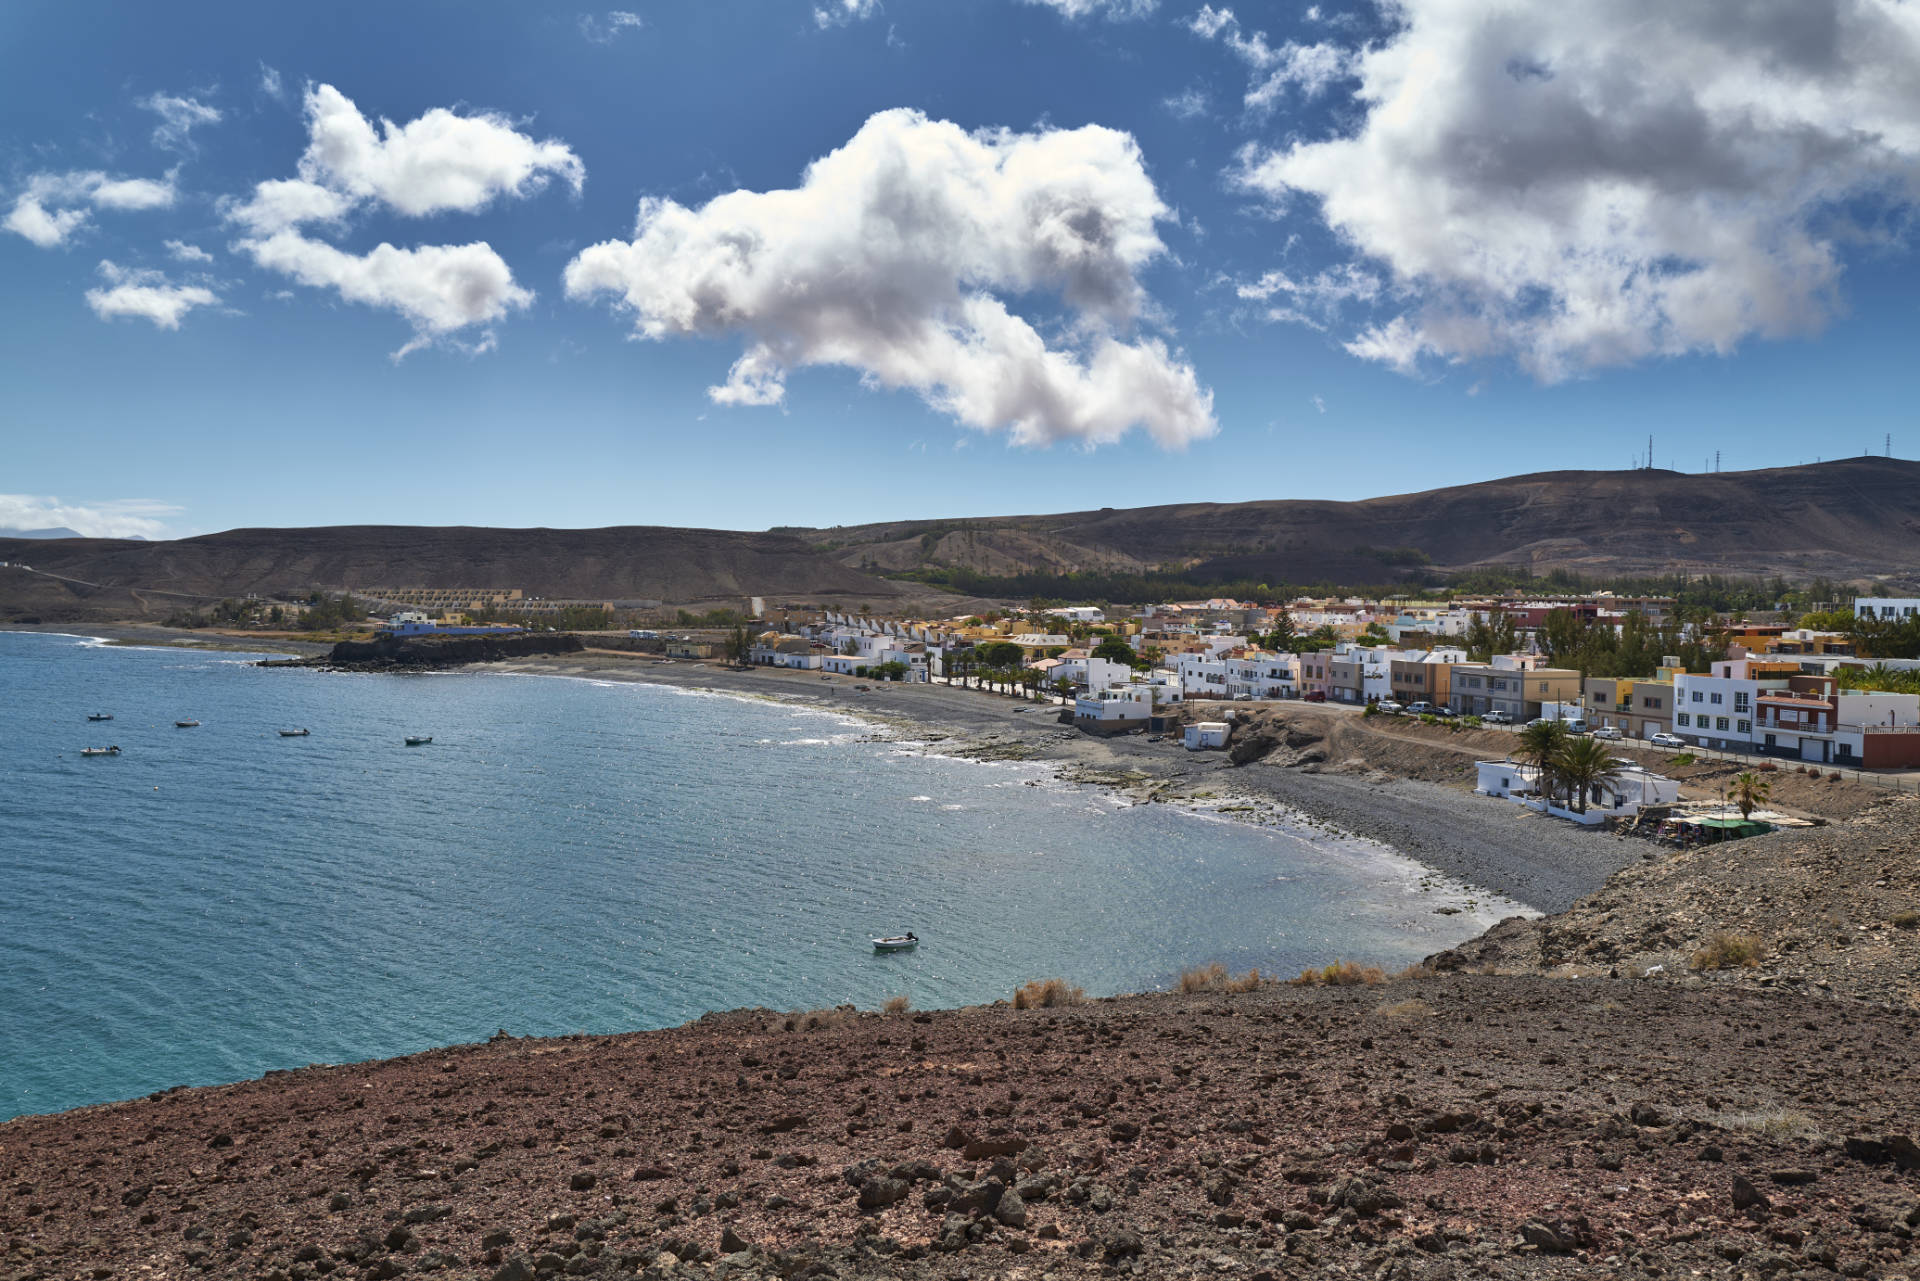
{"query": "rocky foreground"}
pixel 1432 1127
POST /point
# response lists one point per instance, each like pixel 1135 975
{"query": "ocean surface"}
pixel 570 855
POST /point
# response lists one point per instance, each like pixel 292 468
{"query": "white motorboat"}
pixel 99 751
pixel 419 740
pixel 896 943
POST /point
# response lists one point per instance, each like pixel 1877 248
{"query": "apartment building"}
pixel 1639 707
pixel 1515 684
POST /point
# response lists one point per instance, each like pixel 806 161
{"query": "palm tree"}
pixel 1585 765
pixel 1541 744
pixel 1749 792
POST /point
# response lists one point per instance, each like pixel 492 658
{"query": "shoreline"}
pixel 1504 850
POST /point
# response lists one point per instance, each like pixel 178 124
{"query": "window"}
pixel 1698 697
pixel 1717 700
pixel 1652 704
pixel 1719 722
pixel 1543 687
pixel 1745 727
pixel 1742 701
pixel 1682 720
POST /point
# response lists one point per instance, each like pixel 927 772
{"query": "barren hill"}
pixel 1854 518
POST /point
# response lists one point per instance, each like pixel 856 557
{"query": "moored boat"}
pixel 99 716
pixel 185 724
pixel 419 740
pixel 295 733
pixel 896 943
pixel 99 751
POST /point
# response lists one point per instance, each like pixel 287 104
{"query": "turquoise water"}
pixel 568 855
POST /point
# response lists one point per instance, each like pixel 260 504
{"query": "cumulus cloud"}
pixel 895 256
pixel 146 295
pixel 1310 68
pixel 115 518
pixel 53 206
pixel 181 251
pixel 605 28
pixel 179 117
pixel 441 162
pixel 439 288
pixel 1576 186
pixel 1315 300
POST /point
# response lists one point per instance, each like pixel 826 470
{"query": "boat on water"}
pixel 896 943
pixel 295 733
pixel 99 716
pixel 185 724
pixel 99 751
pixel 419 740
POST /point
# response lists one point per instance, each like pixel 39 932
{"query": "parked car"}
pixel 1421 708
pixel 1388 706
pixel 1316 696
pixel 1496 717
pixel 1609 732
pixel 1667 740
pixel 1444 711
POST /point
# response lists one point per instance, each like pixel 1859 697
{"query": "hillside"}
pixel 1854 518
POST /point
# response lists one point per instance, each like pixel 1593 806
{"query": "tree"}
pixel 739 646
pixel 1000 654
pixel 1750 791
pixel 1584 764
pixel 1321 637
pixel 1283 632
pixel 1540 745
pixel 1493 634
pixel 1115 650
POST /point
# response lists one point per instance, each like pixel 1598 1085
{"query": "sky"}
pixel 755 263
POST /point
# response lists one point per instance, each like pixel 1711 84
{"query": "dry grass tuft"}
pixel 1340 974
pixel 1729 952
pixel 896 1005
pixel 1774 1123
pixel 1908 920
pixel 815 1020
pixel 1044 994
pixel 1410 1009
pixel 1215 978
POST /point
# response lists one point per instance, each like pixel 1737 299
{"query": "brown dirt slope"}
pixel 1850 518
pixel 1833 909
pixel 1424 1129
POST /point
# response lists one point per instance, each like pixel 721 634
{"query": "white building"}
pixel 1203 736
pixel 1094 674
pixel 1623 796
pixel 1262 674
pixel 1113 710
pixel 1887 609
pixel 1079 614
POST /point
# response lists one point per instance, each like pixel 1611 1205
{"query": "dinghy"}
pixel 896 943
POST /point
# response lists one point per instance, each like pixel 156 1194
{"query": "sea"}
pixel 574 855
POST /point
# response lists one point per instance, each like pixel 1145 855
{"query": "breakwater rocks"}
pixel 405 653
pixel 1424 1129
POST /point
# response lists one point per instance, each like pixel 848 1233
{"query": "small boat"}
pixel 185 724
pixel 896 943
pixel 99 716
pixel 99 751
pixel 419 740
pixel 295 733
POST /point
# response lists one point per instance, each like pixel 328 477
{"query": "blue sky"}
pixel 1057 254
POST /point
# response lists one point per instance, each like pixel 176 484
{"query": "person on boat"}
pixel 911 938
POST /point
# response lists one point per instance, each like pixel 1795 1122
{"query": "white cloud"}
pixel 115 518
pixel 1319 403
pixel 53 206
pixel 1116 10
pixel 1188 104
pixel 437 163
pixel 439 288
pixel 440 162
pixel 608 27
pixel 1311 68
pixel 183 252
pixel 271 84
pixel 838 13
pixel 179 117
pixel 1576 186
pixel 147 295
pixel 894 256
pixel 1315 301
